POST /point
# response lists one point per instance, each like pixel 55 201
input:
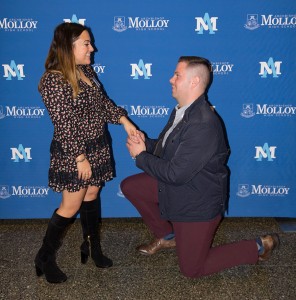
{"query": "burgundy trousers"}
pixel 196 256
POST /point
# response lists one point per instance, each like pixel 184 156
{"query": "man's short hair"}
pixel 201 65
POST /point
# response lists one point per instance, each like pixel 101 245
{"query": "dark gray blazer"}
pixel 190 168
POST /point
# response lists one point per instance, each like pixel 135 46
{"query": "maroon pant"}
pixel 193 239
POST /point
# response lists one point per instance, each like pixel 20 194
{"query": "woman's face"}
pixel 82 49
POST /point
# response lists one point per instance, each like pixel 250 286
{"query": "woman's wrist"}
pixel 123 120
pixel 80 159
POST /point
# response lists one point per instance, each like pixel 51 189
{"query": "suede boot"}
pixel 89 217
pixel 45 260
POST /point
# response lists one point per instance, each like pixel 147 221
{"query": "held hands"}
pixel 136 139
pixel 136 144
pixel 83 167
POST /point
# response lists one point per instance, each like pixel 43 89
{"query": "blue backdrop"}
pixel 251 45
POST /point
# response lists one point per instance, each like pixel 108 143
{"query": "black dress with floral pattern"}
pixel 79 128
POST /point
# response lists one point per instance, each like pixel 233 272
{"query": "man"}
pixel 182 193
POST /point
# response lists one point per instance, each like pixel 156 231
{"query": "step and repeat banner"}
pixel 252 48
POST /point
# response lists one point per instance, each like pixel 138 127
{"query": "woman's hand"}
pixel 141 135
pixel 83 167
pixel 129 127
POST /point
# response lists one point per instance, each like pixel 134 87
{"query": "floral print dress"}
pixel 79 128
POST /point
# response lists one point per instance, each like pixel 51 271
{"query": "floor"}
pixel 138 277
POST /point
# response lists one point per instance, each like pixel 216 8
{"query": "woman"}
pixel 80 154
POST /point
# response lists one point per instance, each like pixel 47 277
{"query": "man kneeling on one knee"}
pixel 182 193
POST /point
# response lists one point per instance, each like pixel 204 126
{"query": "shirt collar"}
pixel 181 110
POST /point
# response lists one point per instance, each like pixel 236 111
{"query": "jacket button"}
pixel 159 190
pixel 161 213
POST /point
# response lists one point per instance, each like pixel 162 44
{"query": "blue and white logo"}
pixel 270 67
pixel 206 23
pixel 221 68
pixel 261 190
pixel 23 191
pixel 119 24
pixel 140 23
pixel 74 19
pixel 22 112
pixel 21 153
pixel 146 111
pixel 243 190
pixel 248 110
pixel 141 69
pixel 268 110
pixel 4 192
pixel 252 22
pixel 13 70
pixel 279 21
pixel 18 24
pixel 265 152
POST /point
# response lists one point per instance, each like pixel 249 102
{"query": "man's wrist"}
pixel 137 155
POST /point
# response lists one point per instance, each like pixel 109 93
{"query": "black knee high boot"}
pixel 89 217
pixel 45 260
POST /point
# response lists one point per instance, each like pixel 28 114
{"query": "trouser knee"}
pixel 191 272
pixel 126 185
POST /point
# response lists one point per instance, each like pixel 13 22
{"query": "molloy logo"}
pixel 4 192
pixel 271 21
pixel 145 111
pixel 74 19
pixel 270 67
pixel 206 23
pixel 21 153
pixel 221 68
pixel 13 70
pixel 248 111
pixel 141 69
pixel 265 152
pixel 252 22
pixel 18 24
pixel 268 110
pixel 140 23
pixel 245 190
pixel 99 69
pixel 119 24
pixel 23 191
pixel 21 112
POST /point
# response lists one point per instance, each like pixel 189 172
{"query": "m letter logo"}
pixel 21 153
pixel 206 23
pixel 265 152
pixel 13 70
pixel 141 69
pixel 271 67
pixel 75 20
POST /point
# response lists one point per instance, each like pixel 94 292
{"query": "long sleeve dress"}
pixel 79 128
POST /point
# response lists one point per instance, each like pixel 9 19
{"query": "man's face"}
pixel 181 83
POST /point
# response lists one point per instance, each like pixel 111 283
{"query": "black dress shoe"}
pixel 270 242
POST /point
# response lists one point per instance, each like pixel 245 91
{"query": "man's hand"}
pixel 136 144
